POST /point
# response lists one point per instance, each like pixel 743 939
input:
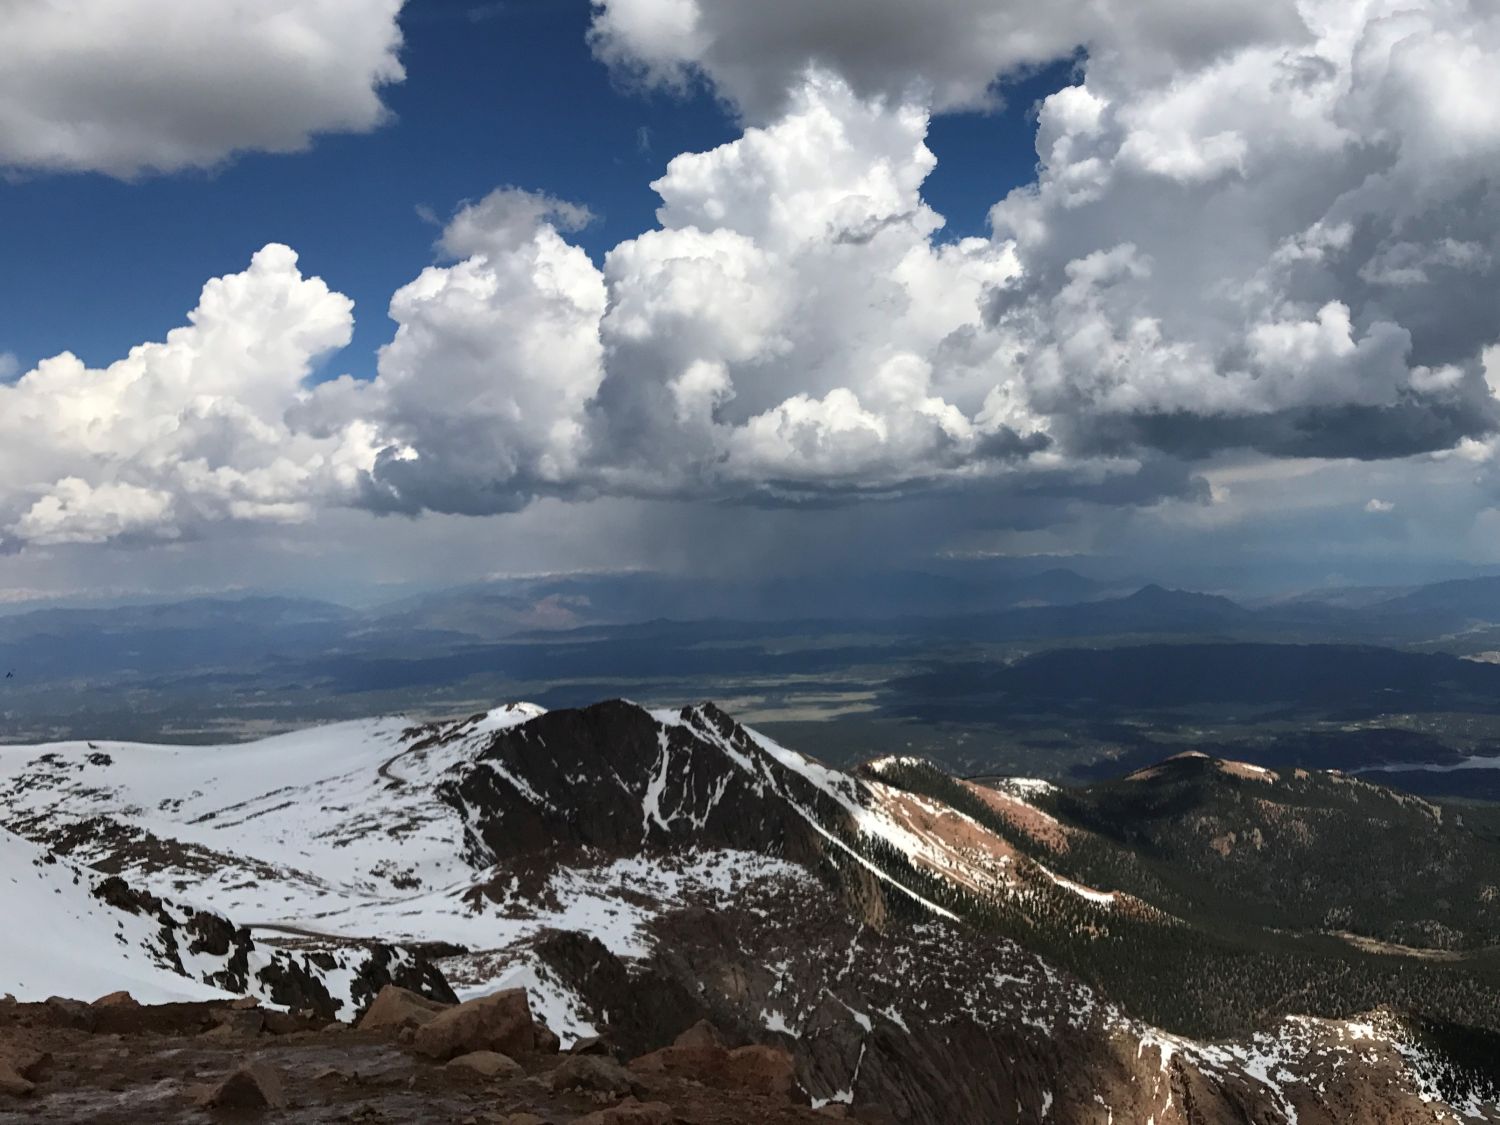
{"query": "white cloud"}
pixel 1380 507
pixel 184 432
pixel 480 396
pixel 132 86
pixel 1268 230
pixel 1278 246
pixel 791 331
pixel 945 54
pixel 9 365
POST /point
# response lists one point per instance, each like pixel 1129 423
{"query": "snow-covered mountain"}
pixel 637 870
pixel 75 932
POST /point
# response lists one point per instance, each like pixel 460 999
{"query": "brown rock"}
pixel 498 1022
pixel 241 1021
pixel 117 1000
pixel 702 1035
pixel 524 1119
pixel 487 1064
pixel 283 1023
pixel 768 1071
pixel 697 1053
pixel 12 1083
pixel 631 1112
pixel 253 1086
pixel 594 1073
pixel 70 1013
pixel 396 1008
pixel 25 1061
pixel 244 1002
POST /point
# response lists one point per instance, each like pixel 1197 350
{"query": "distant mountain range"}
pixel 255 663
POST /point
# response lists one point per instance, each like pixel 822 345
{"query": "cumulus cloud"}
pixel 791 331
pixel 185 432
pixel 942 54
pixel 160 85
pixel 1271 231
pixel 480 397
pixel 1278 248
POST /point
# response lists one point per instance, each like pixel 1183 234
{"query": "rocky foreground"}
pixel 409 1059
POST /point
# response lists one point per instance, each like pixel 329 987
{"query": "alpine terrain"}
pixel 615 914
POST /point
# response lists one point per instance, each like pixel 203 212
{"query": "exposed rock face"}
pixel 646 1008
pixel 625 781
pixel 501 1022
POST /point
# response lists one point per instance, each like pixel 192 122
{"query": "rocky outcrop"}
pixel 615 778
pixel 500 1022
pixel 297 981
pixel 396 1009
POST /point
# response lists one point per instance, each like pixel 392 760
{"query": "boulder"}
pixel 117 1000
pixel 254 1086
pixel 240 1021
pixel 694 1053
pixel 699 1054
pixel 498 1022
pixel 596 1074
pixel 395 1008
pixel 28 1062
pixel 487 1064
pixel 702 1035
pixel 768 1071
pixel 12 1084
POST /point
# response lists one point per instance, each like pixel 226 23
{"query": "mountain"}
pixel 76 931
pixel 1217 840
pixel 1461 601
pixel 1137 678
pixel 927 948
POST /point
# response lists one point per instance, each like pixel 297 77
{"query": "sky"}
pixel 339 295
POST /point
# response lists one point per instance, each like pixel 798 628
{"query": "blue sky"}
pixel 1243 307
pixel 496 94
